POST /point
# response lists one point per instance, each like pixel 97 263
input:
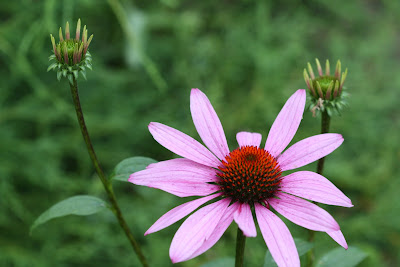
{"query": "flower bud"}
pixel 326 92
pixel 71 56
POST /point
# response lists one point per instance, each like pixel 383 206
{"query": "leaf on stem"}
pixel 221 262
pixel 341 257
pixel 77 205
pixel 129 166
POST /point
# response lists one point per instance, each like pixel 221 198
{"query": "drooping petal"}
pixel 196 230
pixel 248 139
pixel 245 221
pixel 312 186
pixel 309 150
pixel 182 144
pixel 179 179
pixel 286 123
pixel 191 169
pixel 222 225
pixel 178 213
pixel 303 213
pixel 277 237
pixel 182 188
pixel 339 238
pixel 208 124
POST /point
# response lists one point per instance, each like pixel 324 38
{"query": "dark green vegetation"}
pixel 248 58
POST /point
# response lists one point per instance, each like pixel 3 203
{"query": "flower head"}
pixel 326 90
pixel 247 177
pixel 71 55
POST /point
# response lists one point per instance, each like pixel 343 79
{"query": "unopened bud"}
pixel 326 91
pixel 71 55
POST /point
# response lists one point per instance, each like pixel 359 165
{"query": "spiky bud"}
pixel 326 92
pixel 71 56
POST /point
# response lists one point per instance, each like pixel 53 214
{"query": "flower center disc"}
pixel 249 174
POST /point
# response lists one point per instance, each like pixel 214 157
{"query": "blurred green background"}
pixel 247 56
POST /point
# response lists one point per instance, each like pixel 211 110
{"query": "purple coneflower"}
pixel 240 180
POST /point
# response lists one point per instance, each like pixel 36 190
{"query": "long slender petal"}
pixel 245 221
pixel 178 213
pixel 223 224
pixel 248 139
pixel 196 230
pixel 277 237
pixel 208 124
pixel 309 150
pixel 182 177
pixel 191 169
pixel 303 213
pixel 177 186
pixel 286 123
pixel 339 238
pixel 311 185
pixel 182 144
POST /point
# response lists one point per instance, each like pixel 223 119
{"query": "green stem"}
pixel 325 123
pixel 106 183
pixel 240 244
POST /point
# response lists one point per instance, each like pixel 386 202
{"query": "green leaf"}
pixel 70 79
pixel 222 262
pixel 341 257
pixel 83 73
pixel 129 166
pixel 59 73
pixel 52 66
pixel 302 248
pixel 76 205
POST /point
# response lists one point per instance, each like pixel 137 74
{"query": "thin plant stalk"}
pixel 240 244
pixel 325 123
pixel 106 183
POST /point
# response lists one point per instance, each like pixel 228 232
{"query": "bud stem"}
pixel 106 183
pixel 325 123
pixel 240 244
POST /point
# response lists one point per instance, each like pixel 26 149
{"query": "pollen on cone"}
pixel 249 174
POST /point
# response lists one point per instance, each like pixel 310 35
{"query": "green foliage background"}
pixel 247 56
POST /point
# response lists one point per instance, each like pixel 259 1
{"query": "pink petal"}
pixel 244 219
pixel 309 150
pixel 207 124
pixel 182 144
pixel 178 213
pixel 339 238
pixel 248 139
pixel 196 171
pixel 277 237
pixel 313 186
pixel 222 225
pixel 303 213
pixel 179 177
pixel 286 123
pixel 196 230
